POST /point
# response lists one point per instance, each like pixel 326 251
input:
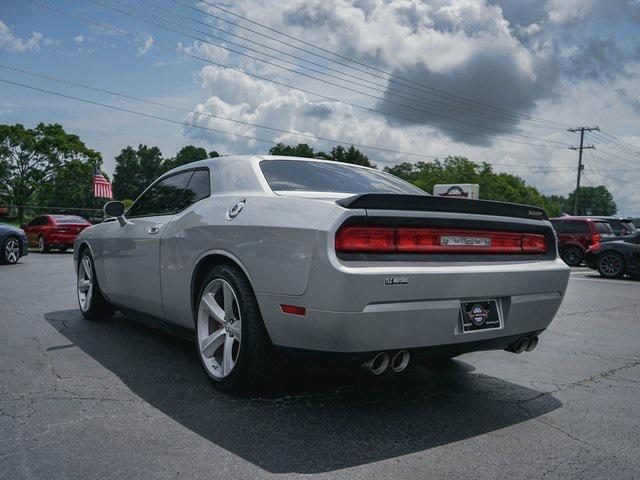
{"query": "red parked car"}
pixel 577 234
pixel 54 231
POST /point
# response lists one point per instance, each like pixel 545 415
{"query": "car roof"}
pixel 578 217
pixel 207 162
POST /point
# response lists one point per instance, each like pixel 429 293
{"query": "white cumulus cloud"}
pixel 12 43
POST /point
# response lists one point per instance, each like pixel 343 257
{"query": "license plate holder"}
pixel 480 315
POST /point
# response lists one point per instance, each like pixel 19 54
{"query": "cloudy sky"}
pixel 495 80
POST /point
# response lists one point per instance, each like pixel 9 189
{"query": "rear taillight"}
pixel 366 239
pixel 534 243
pixel 435 240
pixel 595 238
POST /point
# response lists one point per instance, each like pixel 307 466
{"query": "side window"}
pixel 558 225
pixel 199 187
pixel 604 228
pixel 576 227
pixel 34 222
pixel 164 198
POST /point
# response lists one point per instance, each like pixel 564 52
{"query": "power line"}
pixel 328 82
pixel 260 77
pixel 191 111
pixel 390 74
pixel 358 80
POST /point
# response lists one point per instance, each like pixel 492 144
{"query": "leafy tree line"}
pixel 47 166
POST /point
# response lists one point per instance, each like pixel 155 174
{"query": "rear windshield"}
pixel 68 219
pixel 298 175
pixel 603 227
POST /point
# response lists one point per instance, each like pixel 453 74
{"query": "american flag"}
pixel 101 186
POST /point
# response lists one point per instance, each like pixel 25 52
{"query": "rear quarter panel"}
pixel 272 239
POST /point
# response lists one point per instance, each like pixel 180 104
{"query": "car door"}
pixel 36 228
pixel 131 252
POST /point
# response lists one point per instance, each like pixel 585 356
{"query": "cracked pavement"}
pixel 118 399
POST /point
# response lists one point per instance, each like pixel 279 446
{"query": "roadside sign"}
pixel 458 190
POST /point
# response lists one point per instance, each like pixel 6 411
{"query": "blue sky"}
pixel 571 62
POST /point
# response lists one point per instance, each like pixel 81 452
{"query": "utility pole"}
pixel 580 166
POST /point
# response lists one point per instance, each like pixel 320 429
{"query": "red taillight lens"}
pixel 595 238
pixel 434 240
pixel 366 239
pixel 533 243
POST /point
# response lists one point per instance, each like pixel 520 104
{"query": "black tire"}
pixel 42 245
pixel 611 265
pixel 255 355
pixel 572 256
pixel 6 257
pixel 98 308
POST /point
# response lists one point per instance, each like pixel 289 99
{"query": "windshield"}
pixel 312 176
pixel 630 225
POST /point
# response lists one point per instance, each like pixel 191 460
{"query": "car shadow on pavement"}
pixel 310 422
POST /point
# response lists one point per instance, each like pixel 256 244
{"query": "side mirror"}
pixel 115 209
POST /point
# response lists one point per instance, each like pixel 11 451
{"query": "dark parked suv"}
pixel 621 226
pixel 577 234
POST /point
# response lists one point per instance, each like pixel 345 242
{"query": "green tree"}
pixel 338 153
pixel 135 170
pixel 71 186
pixel 300 150
pixel 593 201
pixel 31 157
pixel 186 155
pixel 493 186
pixel 350 155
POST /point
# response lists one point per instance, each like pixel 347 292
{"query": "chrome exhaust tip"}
pixel 377 364
pixel 519 346
pixel 533 343
pixel 400 361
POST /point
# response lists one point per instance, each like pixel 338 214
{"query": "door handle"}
pixel 154 229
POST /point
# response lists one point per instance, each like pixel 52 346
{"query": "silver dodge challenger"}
pixel 262 255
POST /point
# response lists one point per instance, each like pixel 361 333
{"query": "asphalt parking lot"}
pixel 120 400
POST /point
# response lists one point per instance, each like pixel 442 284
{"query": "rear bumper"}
pixel 61 239
pixel 368 315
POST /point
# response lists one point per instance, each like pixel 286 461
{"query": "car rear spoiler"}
pixel 429 203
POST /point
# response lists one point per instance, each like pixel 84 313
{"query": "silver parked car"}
pixel 257 254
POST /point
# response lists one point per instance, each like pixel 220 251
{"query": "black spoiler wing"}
pixel 428 203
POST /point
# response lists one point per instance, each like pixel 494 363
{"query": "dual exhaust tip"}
pixel 525 344
pixel 380 362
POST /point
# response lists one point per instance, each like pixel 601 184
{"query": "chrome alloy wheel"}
pixel 85 283
pixel 219 328
pixel 611 264
pixel 12 250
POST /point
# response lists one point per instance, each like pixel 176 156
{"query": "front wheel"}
pixel 231 340
pixel 10 251
pixel 611 265
pixel 92 304
pixel 572 256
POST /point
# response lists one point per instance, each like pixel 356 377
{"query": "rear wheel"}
pixel 42 245
pixel 10 251
pixel 92 304
pixel 231 340
pixel 611 265
pixel 572 256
